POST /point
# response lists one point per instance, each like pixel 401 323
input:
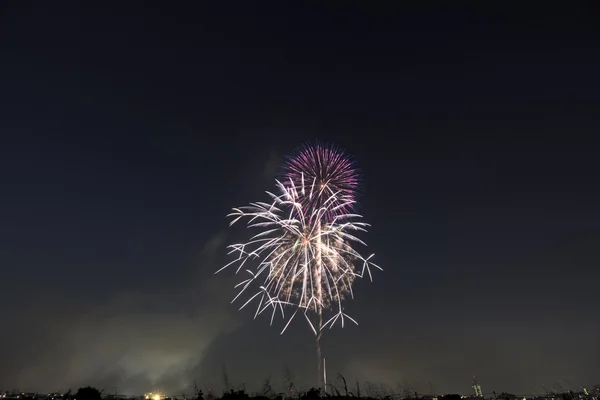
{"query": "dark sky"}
pixel 129 132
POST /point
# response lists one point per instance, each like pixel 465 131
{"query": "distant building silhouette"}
pixel 476 387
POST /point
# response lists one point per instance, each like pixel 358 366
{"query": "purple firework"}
pixel 326 177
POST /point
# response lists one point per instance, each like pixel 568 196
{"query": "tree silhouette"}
pixel 312 394
pixel 235 395
pixel 199 395
pixel 88 393
pixel 507 396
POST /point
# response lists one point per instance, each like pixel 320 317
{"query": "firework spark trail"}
pixel 287 248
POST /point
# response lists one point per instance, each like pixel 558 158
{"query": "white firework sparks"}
pixel 302 261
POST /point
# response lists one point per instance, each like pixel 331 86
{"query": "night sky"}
pixel 130 131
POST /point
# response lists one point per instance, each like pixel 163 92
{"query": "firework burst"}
pixel 302 259
pixel 327 176
pixel 300 263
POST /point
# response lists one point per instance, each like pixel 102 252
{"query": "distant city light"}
pixel 153 396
